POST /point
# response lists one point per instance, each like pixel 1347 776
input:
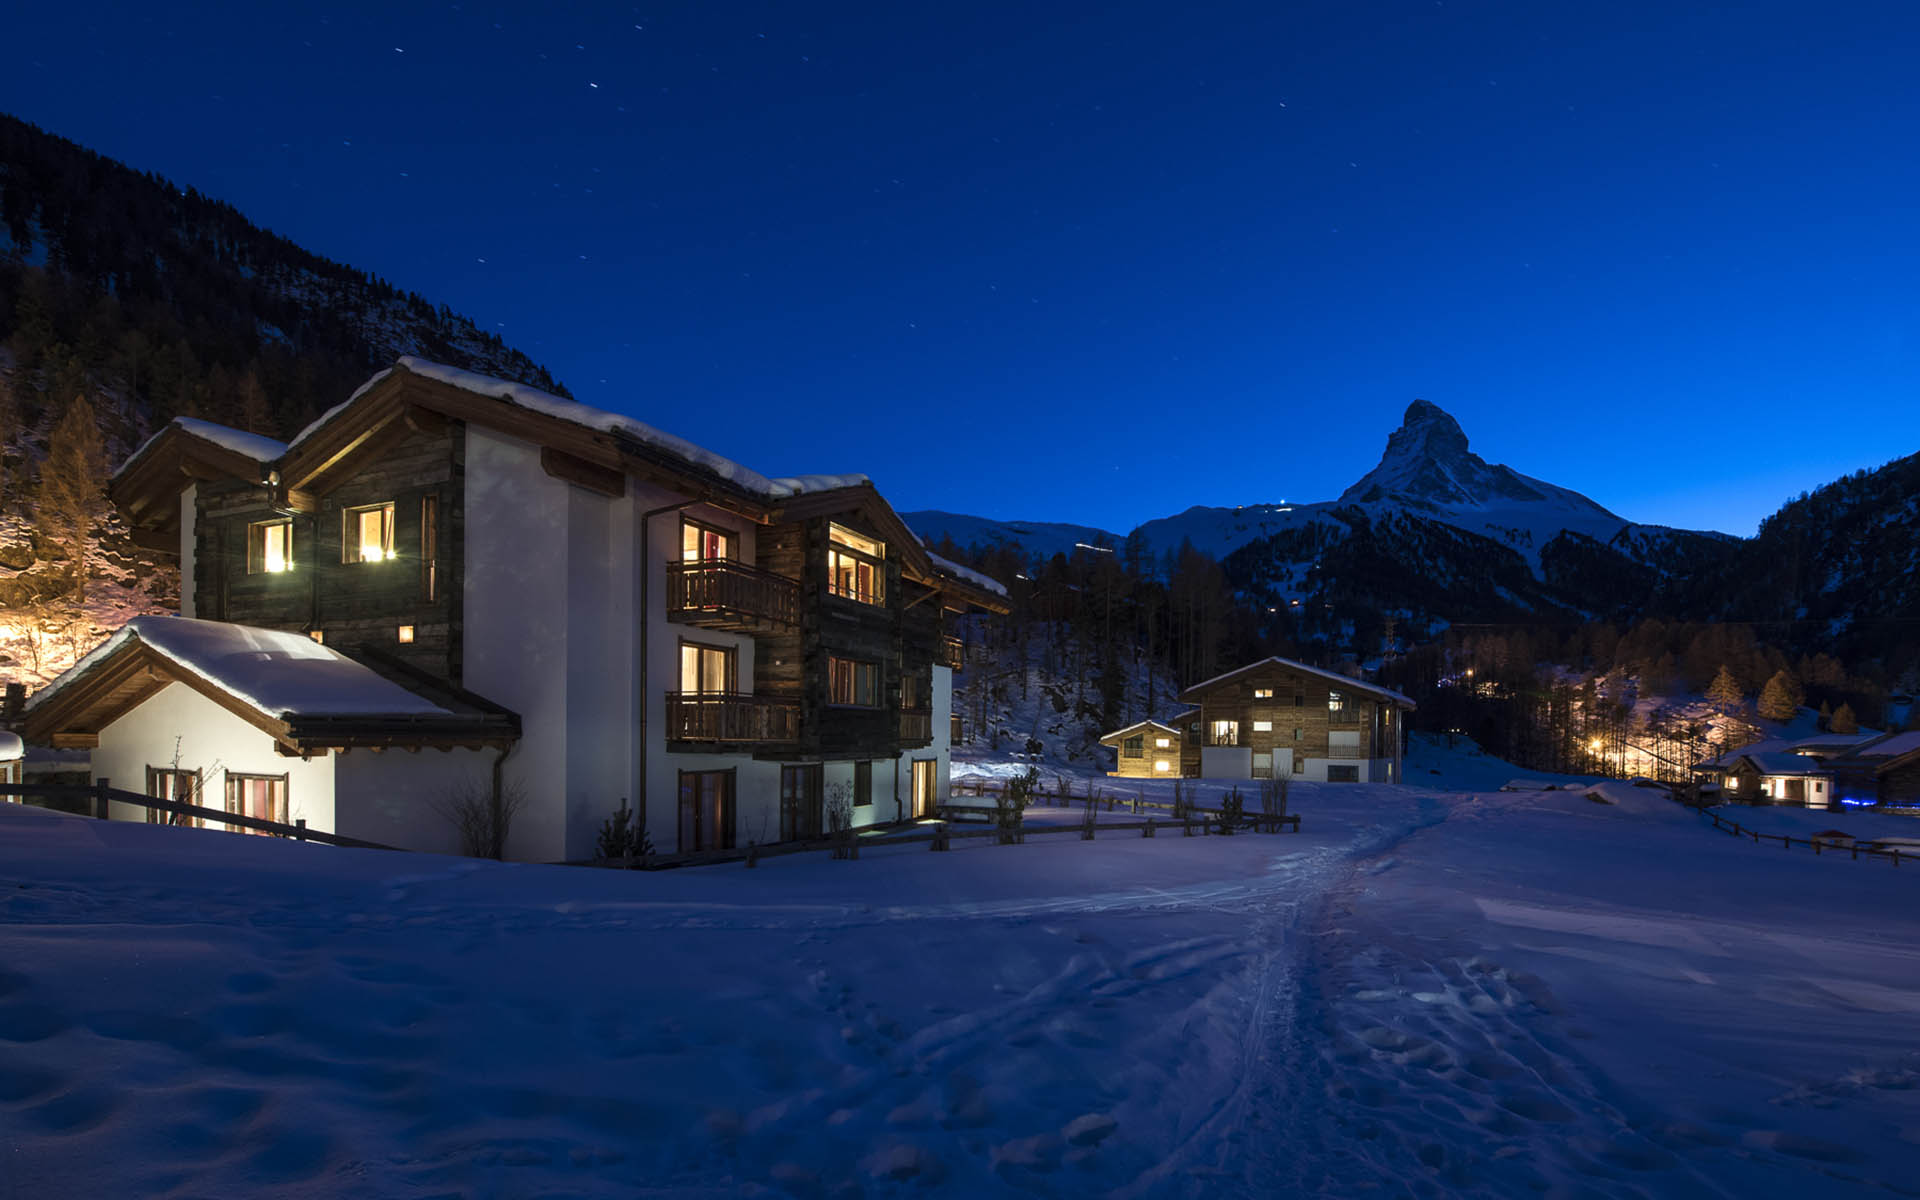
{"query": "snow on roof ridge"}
pixel 966 573
pixel 255 446
pixel 559 407
pixel 1362 684
pixel 217 650
pixel 1138 724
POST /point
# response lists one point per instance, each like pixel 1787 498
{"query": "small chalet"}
pixel 1278 718
pixel 1793 771
pixel 1147 750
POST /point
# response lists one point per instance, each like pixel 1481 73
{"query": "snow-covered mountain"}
pixel 1432 530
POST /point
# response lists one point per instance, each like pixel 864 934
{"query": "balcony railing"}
pixel 721 594
pixel 953 653
pixel 916 726
pixel 733 718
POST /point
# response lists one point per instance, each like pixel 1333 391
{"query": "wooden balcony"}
pixel 916 727
pixel 732 719
pixel 720 594
pixel 953 653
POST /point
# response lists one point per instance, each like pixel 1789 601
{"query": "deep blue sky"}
pixel 1099 262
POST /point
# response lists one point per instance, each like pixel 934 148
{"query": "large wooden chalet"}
pixel 577 604
pixel 1280 718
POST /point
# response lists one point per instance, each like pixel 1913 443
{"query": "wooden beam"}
pixel 75 741
pixel 424 420
pixel 156 540
pixel 578 471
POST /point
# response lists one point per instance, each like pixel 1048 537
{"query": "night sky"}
pixel 1099 263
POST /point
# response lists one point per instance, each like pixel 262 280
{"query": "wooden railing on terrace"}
pixel 732 717
pixel 953 653
pixel 721 594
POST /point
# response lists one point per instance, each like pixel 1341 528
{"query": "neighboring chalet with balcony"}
pixel 553 599
pixel 1281 718
pixel 1782 770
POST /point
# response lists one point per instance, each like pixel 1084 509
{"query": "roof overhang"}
pixel 1193 694
pixel 146 489
pixel 1106 738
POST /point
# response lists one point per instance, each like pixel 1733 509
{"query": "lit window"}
pixel 366 534
pixel 1162 766
pixel 1223 733
pixel 851 682
pixel 856 566
pixel 1336 705
pixel 1263 693
pixel 705 668
pixel 318 635
pixel 406 635
pixel 1263 726
pixel 1161 743
pixel 269 547
pixel 704 543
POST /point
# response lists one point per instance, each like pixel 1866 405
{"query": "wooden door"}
pixel 926 786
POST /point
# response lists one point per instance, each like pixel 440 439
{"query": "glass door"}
pixel 926 786
pixel 706 810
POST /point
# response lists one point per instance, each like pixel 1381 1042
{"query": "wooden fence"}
pixel 937 833
pixel 95 801
pixel 1818 845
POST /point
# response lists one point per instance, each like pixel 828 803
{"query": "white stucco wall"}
pixel 1226 762
pixel 398 797
pixel 515 610
pixel 212 741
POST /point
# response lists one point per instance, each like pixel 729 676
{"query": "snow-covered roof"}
pixel 1139 725
pixel 251 446
pixel 1890 746
pixel 967 574
pixel 1782 763
pixel 548 404
pixel 1348 681
pixel 11 747
pixel 277 673
pixel 1825 745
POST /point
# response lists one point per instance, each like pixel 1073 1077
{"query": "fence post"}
pixel 1896 856
pixel 100 809
pixel 300 829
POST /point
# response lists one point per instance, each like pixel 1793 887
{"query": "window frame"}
pixel 802 802
pixel 1134 747
pixel 1231 727
pixel 430 547
pixel 1263 693
pixel 875 562
pixel 853 668
pixel 691 818
pixel 730 653
pixel 156 816
pixel 863 784
pixel 257 548
pixel 352 549
pixel 236 779
pixel 704 529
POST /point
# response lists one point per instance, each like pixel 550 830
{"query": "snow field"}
pixel 1422 992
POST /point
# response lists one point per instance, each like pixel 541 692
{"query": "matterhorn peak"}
pixel 1428 464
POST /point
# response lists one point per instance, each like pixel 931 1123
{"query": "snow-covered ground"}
pixel 1422 992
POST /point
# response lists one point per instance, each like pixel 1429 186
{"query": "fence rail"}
pixel 95 802
pixel 1818 845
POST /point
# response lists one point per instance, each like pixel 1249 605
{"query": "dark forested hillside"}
pixel 111 277
pixel 126 301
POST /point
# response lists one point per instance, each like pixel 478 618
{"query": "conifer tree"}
pixel 1844 721
pixel 72 494
pixel 1825 721
pixel 1724 692
pixel 1776 699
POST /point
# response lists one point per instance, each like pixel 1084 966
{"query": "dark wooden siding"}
pixel 351 603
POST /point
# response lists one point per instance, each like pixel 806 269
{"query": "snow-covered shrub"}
pixel 481 818
pixel 1273 796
